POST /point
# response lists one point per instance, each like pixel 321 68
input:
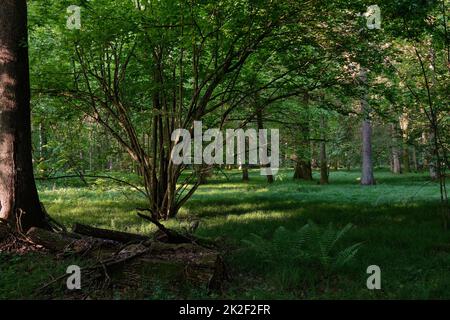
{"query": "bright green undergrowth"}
pixel 395 225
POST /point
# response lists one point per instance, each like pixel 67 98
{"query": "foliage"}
pixel 310 244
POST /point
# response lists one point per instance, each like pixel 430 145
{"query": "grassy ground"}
pixel 396 221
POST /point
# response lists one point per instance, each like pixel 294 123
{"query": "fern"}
pixel 308 244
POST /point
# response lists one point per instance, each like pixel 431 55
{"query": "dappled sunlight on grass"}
pixel 396 221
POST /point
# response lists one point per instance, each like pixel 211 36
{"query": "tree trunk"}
pixel 367 177
pixel 323 156
pixel 42 142
pixel 298 170
pixel 431 157
pixel 18 195
pixel 404 123
pixel 303 168
pixel 405 158
pixel 244 166
pixel 245 176
pixel 414 159
pixel 323 164
pixel 396 167
pixel 260 123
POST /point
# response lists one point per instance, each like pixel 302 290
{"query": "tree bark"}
pixel 18 195
pixel 367 177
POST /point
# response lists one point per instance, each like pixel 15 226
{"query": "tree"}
pixel 18 194
pixel 367 177
pixel 153 70
pixel 323 153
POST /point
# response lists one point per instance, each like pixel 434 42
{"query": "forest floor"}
pixel 396 221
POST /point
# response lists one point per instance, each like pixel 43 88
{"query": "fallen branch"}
pixel 119 236
pixel 172 236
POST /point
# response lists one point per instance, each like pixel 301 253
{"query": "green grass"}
pixel 396 220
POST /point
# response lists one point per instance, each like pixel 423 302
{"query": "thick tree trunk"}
pixel 367 177
pixel 303 170
pixel 18 195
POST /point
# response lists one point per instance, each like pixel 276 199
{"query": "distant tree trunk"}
pixel 244 166
pixel 298 173
pixel 245 176
pixel 431 156
pixel 323 155
pixel 404 124
pixel 260 123
pixel 42 148
pixel 303 169
pixel 433 170
pixel 414 159
pixel 42 142
pixel 18 195
pixel 405 158
pixel 396 166
pixel 367 177
pixel 314 156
